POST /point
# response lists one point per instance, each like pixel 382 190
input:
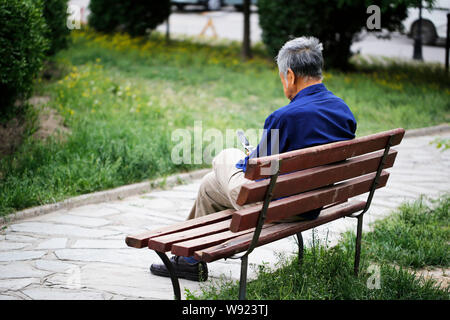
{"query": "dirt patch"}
pixel 442 276
pixel 48 123
pixel 11 136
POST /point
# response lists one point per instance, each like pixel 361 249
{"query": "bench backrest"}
pixel 315 177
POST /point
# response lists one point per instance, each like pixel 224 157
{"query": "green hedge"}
pixel 135 17
pixel 22 49
pixel 55 13
pixel 105 14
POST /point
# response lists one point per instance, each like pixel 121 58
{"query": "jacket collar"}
pixel 309 90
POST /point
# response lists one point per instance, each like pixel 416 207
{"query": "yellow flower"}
pixel 327 75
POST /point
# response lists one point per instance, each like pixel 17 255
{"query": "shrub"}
pixel 55 13
pixel 135 17
pixel 334 22
pixel 22 49
pixel 105 14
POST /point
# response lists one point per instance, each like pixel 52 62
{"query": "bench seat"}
pixel 213 241
pixel 272 232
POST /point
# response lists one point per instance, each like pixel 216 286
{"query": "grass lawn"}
pixel 415 236
pixel 121 98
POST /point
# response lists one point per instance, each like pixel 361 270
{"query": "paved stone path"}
pixel 81 254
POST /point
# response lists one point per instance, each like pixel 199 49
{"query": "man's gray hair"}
pixel 303 55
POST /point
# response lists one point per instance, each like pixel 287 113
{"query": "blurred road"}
pixel 228 24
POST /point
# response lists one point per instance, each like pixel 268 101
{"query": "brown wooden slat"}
pixel 276 232
pixel 313 178
pixel 334 204
pixel 164 243
pixel 141 240
pixel 324 154
pixel 297 204
pixel 187 248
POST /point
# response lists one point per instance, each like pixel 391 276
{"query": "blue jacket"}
pixel 314 116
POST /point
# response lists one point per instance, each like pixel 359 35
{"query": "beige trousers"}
pixel 220 188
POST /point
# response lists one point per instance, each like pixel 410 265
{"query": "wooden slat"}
pixel 187 248
pixel 276 232
pixel 164 243
pixel 323 154
pixel 334 204
pixel 307 201
pixel 141 240
pixel 313 178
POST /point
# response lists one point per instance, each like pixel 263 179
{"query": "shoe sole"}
pixel 184 275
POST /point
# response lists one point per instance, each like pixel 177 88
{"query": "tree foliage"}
pixel 137 17
pixel 55 14
pixel 334 22
pixel 22 49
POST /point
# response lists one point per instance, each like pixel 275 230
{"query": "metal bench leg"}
pixel 358 244
pixel 368 202
pixel 300 249
pixel 243 280
pixel 257 232
pixel 173 277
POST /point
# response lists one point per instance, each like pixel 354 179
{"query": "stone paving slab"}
pixel 80 253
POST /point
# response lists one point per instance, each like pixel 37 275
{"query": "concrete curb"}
pixel 147 186
pixel 106 195
pixel 427 131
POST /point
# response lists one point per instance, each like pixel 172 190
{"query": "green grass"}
pixel 416 235
pixel 123 97
pixel 441 143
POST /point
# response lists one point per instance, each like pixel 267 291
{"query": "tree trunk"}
pixel 246 46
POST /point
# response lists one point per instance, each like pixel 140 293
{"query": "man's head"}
pixel 300 64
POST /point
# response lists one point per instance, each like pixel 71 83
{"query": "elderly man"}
pixel 314 116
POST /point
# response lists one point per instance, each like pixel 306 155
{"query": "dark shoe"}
pixel 197 271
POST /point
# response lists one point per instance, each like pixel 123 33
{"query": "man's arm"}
pixel 272 141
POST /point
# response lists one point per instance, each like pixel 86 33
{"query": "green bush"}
pixel 105 14
pixel 135 17
pixel 334 22
pixel 22 49
pixel 55 13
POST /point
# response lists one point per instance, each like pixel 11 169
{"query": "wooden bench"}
pixel 324 176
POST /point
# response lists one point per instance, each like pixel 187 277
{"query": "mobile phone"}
pixel 245 143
